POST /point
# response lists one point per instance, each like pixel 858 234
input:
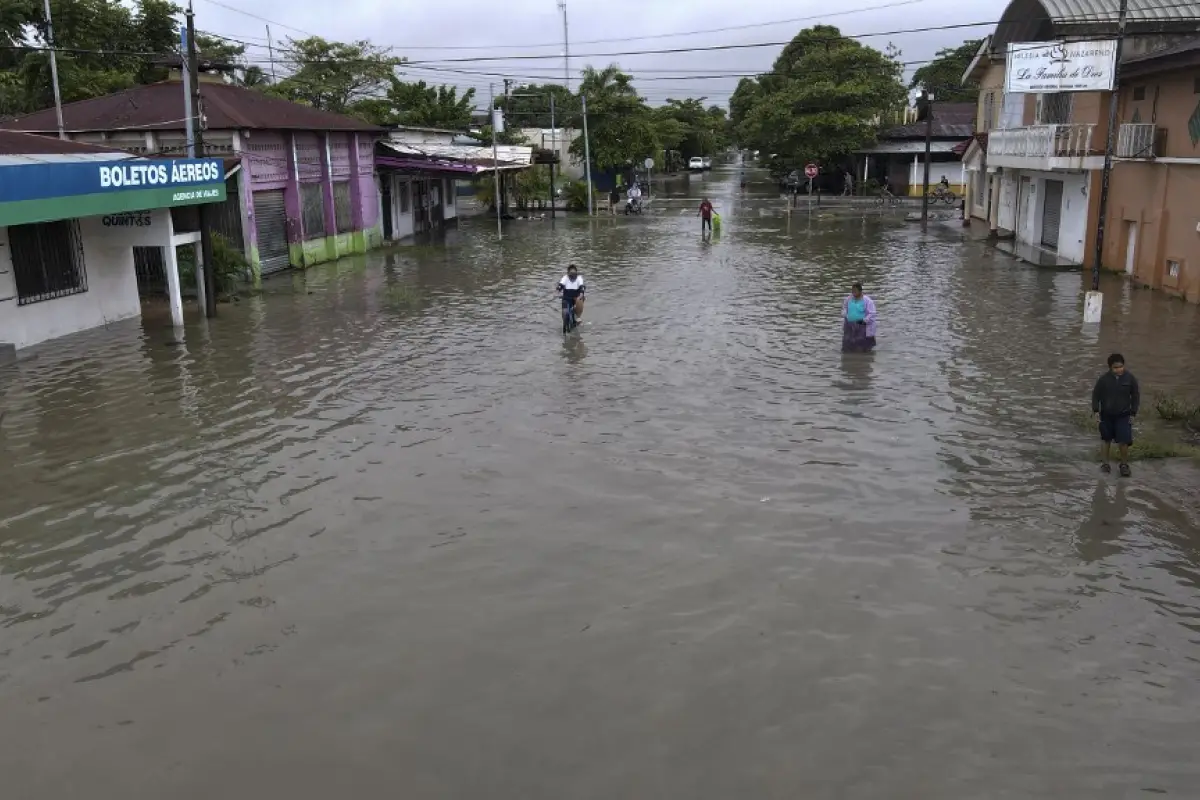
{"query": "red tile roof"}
pixel 20 144
pixel 159 106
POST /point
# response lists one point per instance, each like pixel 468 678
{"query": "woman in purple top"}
pixel 858 321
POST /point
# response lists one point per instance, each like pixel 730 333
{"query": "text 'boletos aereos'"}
pixel 160 174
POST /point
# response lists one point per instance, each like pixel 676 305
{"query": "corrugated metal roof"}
pixel 23 144
pixel 1081 12
pixel 1040 20
pixel 159 106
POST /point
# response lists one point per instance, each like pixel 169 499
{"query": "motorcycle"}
pixel 633 206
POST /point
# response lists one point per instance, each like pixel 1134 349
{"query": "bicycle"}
pixel 886 197
pixel 570 323
pixel 941 193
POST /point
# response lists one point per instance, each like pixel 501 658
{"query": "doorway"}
pixel 1131 237
pixel 1052 195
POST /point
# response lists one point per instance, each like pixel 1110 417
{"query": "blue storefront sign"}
pixel 61 190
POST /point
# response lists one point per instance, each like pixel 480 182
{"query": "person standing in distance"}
pixel 1115 401
pixel 572 290
pixel 705 214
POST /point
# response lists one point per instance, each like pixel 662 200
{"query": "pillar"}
pixel 292 204
pixel 327 194
pixel 171 264
pixel 357 201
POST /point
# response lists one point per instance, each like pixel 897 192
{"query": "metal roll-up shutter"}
pixel 270 217
pixel 1051 213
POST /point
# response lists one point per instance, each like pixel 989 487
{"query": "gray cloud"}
pixel 473 29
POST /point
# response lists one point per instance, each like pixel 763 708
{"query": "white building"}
pixel 418 171
pixel 70 216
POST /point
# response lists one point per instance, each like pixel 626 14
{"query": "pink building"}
pixel 300 182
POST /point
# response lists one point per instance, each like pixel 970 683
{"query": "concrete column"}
pixel 246 202
pixel 356 192
pixel 327 193
pixel 172 267
pixel 291 199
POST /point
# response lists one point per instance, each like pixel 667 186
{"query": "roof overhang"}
pixel 458 159
pixel 1043 20
pixel 910 148
pixel 983 58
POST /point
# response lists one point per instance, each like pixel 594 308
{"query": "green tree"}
pixel 528 106
pixel 620 124
pixel 333 76
pixel 103 46
pixel 821 101
pixel 420 105
pixel 690 128
pixel 943 75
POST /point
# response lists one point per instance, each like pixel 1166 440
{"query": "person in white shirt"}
pixel 572 289
pixel 635 196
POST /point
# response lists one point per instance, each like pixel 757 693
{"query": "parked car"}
pixel 707 162
pixel 695 163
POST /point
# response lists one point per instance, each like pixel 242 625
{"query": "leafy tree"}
pixel 333 76
pixel 690 128
pixel 529 105
pixel 620 124
pixel 822 99
pixel 103 46
pixel 420 105
pixel 943 75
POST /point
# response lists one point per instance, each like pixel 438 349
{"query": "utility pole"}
pixel 271 54
pixel 495 159
pixel 62 134
pixel 928 98
pixel 562 6
pixel 587 155
pixel 553 144
pixel 206 251
pixel 185 68
pixel 1093 305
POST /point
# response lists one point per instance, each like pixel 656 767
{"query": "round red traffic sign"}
pixel 810 171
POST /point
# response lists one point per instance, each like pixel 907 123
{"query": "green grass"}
pixel 1151 441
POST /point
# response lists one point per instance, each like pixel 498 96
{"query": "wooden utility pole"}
pixel 1093 306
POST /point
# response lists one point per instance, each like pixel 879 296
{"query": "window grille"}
pixel 47 260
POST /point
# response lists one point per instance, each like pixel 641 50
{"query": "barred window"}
pixel 1054 109
pixel 405 188
pixel 312 201
pixel 981 182
pixel 341 207
pixel 47 260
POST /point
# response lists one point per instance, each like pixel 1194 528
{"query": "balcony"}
pixel 1140 141
pixel 1045 147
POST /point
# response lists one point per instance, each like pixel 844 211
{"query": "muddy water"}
pixel 384 532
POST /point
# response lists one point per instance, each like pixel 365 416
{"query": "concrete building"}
pixel 899 152
pixel 418 171
pixel 72 216
pixel 1034 170
pixel 1153 228
pixel 558 141
pixel 305 192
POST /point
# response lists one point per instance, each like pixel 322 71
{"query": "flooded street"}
pixel 384 532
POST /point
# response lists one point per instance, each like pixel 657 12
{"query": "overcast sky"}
pixel 472 29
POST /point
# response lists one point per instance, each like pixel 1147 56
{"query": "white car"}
pixel 696 163
pixel 707 162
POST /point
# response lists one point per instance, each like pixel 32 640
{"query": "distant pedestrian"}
pixel 705 214
pixel 858 321
pixel 1115 401
pixel 614 200
pixel 848 185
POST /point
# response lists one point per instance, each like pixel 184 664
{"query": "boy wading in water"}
pixel 1115 401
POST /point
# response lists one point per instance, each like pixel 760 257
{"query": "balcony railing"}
pixel 1043 141
pixel 1140 140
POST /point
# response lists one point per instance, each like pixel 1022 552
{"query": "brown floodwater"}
pixel 384 532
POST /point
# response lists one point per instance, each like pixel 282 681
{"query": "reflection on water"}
pixel 384 526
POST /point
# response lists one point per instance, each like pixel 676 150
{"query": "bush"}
pixel 1175 409
pixel 576 195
